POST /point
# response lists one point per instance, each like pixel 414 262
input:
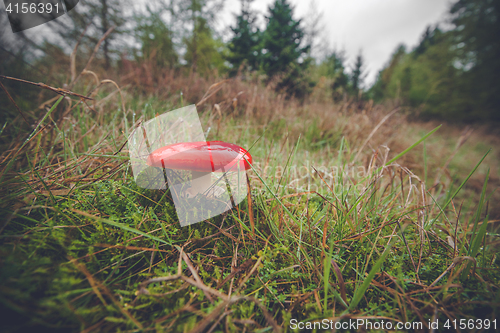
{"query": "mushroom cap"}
pixel 201 156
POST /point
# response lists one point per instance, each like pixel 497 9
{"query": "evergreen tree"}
pixel 244 46
pixel 379 89
pixel 358 75
pixel 334 65
pixel 156 39
pixel 453 74
pixel 425 41
pixel 477 43
pixel 282 39
pixel 427 81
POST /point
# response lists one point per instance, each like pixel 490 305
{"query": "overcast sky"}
pixel 375 26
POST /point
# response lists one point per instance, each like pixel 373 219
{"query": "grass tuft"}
pixel 332 227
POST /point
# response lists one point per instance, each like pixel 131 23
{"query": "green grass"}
pixel 83 248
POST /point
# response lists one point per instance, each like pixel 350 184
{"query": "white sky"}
pixel 375 26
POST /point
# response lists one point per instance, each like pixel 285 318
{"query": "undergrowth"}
pixel 352 213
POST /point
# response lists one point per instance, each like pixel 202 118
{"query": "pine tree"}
pixel 477 42
pixel 244 46
pixel 424 42
pixel 282 40
pixel 335 69
pixel 451 74
pixel 358 75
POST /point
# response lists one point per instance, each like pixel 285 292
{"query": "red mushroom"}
pixel 201 158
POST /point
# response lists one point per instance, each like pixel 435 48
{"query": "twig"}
pixel 254 268
pixel 242 267
pixel 195 274
pixel 132 248
pixel 228 300
pixel 211 317
pixel 59 91
pixel 218 321
pixel 456 261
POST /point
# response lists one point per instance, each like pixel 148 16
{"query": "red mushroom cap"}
pixel 201 156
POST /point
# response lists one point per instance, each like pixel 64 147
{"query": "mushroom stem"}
pixel 200 182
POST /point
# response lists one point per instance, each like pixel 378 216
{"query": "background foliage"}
pixel 357 208
pixel 451 74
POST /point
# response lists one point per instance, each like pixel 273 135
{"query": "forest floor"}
pixel 355 211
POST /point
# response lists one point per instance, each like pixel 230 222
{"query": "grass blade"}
pixel 427 227
pixel 366 283
pixel 121 226
pixel 413 145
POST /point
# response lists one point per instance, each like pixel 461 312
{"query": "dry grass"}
pixel 117 259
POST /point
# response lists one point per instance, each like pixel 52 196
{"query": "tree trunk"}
pixel 195 32
pixel 105 27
